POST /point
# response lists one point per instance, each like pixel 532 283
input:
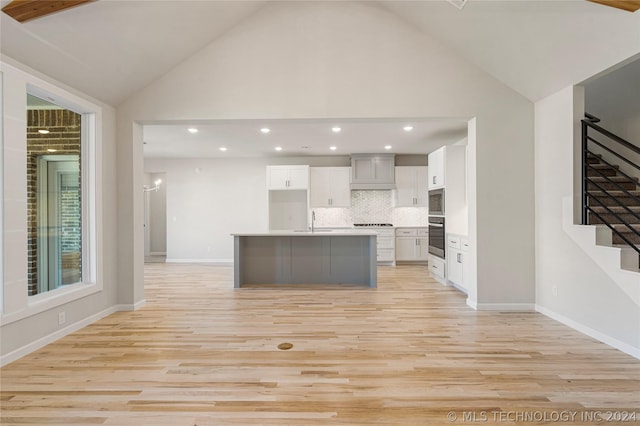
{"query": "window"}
pixel 58 213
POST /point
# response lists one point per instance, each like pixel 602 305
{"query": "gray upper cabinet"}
pixel 372 171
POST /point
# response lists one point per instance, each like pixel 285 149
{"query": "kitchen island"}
pixel 292 257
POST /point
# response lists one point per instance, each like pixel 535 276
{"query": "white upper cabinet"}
pixel 330 187
pixel 372 171
pixel 437 169
pixel 411 186
pixel 287 177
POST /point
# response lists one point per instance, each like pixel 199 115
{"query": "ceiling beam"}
pixel 628 5
pixel 26 10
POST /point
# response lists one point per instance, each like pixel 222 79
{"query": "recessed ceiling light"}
pixel 192 130
pixel 278 148
pixel 333 148
pixel 265 130
pixel 387 147
pixel 43 131
pixel 407 128
pixel 336 129
pixel 52 150
pixel 223 148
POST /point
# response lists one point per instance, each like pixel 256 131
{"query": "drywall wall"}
pixel 209 199
pixel 614 97
pixel 27 325
pixel 352 60
pixel 158 215
pixel 586 296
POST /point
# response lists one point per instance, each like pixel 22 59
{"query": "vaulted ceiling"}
pixel 111 49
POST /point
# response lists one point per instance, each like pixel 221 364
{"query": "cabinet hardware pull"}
pixel 459 256
pixel 434 180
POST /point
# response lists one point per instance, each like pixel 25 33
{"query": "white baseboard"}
pixel 224 262
pixel 158 253
pixel 506 307
pixel 611 341
pixel 130 307
pixel 472 303
pixel 58 334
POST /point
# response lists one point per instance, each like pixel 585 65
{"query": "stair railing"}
pixel 617 147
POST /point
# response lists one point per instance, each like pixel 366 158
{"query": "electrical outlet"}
pixel 554 289
pixel 62 318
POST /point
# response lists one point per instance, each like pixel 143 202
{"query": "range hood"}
pixel 373 171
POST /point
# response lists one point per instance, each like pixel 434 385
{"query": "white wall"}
pixel 353 59
pixel 27 325
pixel 158 215
pixel 209 199
pixel 586 296
pixel 615 98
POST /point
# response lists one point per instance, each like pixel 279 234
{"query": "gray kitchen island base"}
pixel 305 258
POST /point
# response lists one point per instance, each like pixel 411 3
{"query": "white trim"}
pixel 225 262
pixel 472 303
pixel 158 253
pixel 51 299
pixel 130 307
pixel 506 307
pixel 608 340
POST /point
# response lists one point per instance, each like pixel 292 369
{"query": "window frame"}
pixel 91 131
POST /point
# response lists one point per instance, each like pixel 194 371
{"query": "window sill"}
pixel 50 300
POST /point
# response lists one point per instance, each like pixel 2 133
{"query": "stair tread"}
pixel 617 209
pixel 604 166
pixel 612 178
pixel 625 229
pixel 616 192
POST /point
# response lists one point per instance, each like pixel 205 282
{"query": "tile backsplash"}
pixel 372 206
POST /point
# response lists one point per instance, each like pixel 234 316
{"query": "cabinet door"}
pixel 330 187
pixel 362 170
pixel 405 187
pixel 421 186
pixel 298 177
pixel 455 267
pixel 320 188
pixel 437 268
pixel 436 168
pixel 340 189
pixel 384 169
pixel 406 248
pixel 372 169
pixel 277 177
pixel 423 249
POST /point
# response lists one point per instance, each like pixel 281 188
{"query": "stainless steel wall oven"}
pixel 436 236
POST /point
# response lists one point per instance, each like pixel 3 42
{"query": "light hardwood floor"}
pixel 407 353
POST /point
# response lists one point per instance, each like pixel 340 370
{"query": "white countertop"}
pixel 317 233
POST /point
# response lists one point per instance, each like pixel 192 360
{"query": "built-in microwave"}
pixel 436 202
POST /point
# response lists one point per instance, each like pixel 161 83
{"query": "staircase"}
pixel 611 197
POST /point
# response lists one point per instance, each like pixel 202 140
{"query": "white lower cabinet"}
pixel 457 247
pixel 386 245
pixel 437 268
pixel 412 244
pixel 385 241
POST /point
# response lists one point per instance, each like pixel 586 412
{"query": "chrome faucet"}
pixel 313 219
